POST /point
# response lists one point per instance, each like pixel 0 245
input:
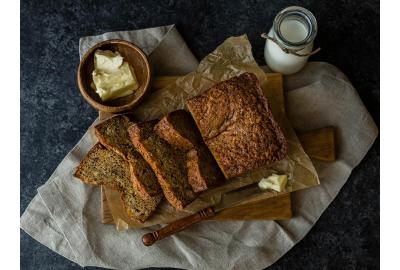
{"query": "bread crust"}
pixel 102 166
pixel 131 200
pixel 113 134
pixel 179 130
pixel 203 171
pixel 81 170
pixel 167 162
pixel 237 125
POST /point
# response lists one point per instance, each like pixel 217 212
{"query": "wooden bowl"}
pixel 134 56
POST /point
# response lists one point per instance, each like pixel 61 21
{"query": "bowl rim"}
pixel 106 108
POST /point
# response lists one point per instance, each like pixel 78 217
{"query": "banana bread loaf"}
pixel 237 125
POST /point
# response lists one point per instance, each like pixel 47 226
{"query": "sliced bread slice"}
pixel 102 166
pixel 203 170
pixel 113 134
pixel 99 165
pixel 167 162
pixel 179 129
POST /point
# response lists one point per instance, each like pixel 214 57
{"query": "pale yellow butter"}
pixel 113 78
pixel 274 181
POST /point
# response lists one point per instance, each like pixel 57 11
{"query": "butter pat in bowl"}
pixel 113 76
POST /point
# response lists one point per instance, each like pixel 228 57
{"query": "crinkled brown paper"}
pixel 231 58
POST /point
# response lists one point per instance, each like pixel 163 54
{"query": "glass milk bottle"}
pixel 290 41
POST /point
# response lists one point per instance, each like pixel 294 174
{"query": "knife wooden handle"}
pixel 177 226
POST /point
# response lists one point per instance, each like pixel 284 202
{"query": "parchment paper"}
pixel 231 58
pixel 65 214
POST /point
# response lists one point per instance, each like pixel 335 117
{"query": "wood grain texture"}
pixel 276 208
pixel 106 216
pixel 179 225
pixel 319 144
pixel 275 86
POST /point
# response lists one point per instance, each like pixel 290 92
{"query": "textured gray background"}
pixel 54 116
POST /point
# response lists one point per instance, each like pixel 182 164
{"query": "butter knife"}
pixel 228 199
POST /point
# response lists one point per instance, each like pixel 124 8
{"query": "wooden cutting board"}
pixel 318 144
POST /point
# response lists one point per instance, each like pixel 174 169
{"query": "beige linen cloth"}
pixel 65 214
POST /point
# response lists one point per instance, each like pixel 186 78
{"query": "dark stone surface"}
pixel 54 116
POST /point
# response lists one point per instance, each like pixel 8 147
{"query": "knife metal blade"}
pixel 229 199
pixel 237 196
